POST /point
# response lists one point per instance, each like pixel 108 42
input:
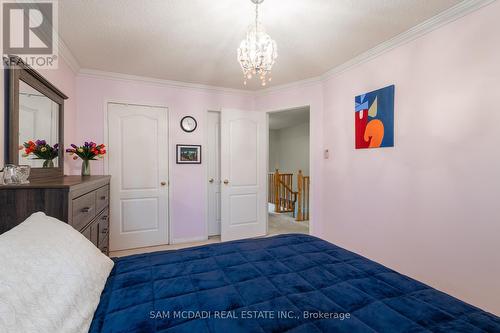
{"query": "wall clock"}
pixel 188 124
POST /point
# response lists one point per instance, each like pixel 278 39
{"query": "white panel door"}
pixel 214 183
pixel 244 174
pixel 138 164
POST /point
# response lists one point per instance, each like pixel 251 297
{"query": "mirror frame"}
pixel 16 71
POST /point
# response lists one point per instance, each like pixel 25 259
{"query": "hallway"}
pixel 284 223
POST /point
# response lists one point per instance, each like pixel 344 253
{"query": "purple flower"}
pixel 74 146
pixel 56 146
pixel 69 150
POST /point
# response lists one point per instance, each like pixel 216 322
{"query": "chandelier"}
pixel 257 52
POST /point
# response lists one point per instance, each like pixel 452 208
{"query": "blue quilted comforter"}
pixel 287 283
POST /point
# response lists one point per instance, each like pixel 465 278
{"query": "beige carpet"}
pixel 278 224
pixel 285 224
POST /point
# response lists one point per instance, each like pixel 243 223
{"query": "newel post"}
pixel 300 182
pixel 276 191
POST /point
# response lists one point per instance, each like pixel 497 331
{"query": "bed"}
pixel 293 283
pixel 52 279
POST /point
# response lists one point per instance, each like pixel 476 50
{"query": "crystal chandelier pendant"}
pixel 257 52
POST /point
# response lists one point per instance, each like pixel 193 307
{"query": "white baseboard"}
pixel 189 240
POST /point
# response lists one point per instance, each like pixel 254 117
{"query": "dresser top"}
pixel 65 182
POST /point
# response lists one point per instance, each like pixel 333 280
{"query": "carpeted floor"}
pixel 285 224
pixel 278 224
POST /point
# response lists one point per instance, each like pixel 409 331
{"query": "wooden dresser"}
pixel 83 202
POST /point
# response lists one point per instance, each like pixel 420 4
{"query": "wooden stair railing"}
pixel 281 193
pixel 285 199
pixel 303 183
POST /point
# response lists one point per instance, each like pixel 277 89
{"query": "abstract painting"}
pixel 374 119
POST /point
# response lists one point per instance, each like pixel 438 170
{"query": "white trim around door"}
pixel 157 189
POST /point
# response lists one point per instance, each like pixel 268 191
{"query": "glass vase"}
pixel 85 168
pixel 48 164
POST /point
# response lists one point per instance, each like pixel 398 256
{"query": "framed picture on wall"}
pixel 188 154
pixel 374 119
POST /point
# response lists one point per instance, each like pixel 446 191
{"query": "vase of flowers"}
pixel 42 151
pixel 90 151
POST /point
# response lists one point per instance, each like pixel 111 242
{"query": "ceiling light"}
pixel 258 51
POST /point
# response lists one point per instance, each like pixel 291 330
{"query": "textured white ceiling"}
pixel 196 40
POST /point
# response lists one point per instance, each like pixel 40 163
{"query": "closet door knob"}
pixel 211 180
pixel 226 181
pixel 163 183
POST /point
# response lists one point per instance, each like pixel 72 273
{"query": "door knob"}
pixel 163 183
pixel 211 180
pixel 226 181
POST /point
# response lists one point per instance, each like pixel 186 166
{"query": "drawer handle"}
pixel 103 197
pixel 104 231
pixel 86 209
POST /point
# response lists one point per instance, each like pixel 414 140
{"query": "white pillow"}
pixel 51 277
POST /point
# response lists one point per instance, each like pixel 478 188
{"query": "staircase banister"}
pixel 287 187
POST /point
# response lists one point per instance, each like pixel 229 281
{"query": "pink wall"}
pixel 429 206
pixel 187 182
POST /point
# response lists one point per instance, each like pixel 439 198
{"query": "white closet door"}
pixel 243 174
pixel 138 164
pixel 214 183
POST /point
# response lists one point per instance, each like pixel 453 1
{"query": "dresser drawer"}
pixel 91 233
pixel 83 210
pixel 103 241
pixel 87 233
pixel 104 249
pixel 102 198
pixel 103 222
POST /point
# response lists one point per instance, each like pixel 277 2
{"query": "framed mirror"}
pixel 35 133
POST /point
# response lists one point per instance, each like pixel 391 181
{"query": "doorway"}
pixel 288 171
pixel 139 186
pixel 234 145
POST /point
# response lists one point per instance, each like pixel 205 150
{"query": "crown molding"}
pixel 68 56
pixel 302 83
pixel 159 82
pixel 452 14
